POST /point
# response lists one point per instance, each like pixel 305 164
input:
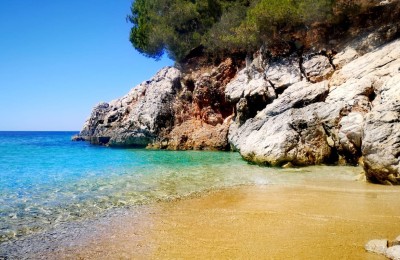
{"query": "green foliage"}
pixel 175 26
pixel 226 34
pixel 266 19
pixel 142 34
pixel 178 26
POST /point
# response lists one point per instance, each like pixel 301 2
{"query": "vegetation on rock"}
pixel 224 26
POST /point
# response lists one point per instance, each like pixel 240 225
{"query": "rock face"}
pixel 296 136
pixel 330 116
pixel 318 68
pixel 283 72
pixel 202 114
pixel 137 118
pixel 302 109
pixel 381 142
pixel 168 111
pixel 197 135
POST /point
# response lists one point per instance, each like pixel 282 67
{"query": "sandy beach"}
pixel 323 220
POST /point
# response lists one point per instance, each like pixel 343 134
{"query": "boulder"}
pixel 290 129
pixel 390 249
pixel 297 136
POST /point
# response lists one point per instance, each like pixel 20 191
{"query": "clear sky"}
pixel 59 58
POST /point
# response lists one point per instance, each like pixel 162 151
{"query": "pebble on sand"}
pixel 378 246
pixel 393 253
pixel 391 249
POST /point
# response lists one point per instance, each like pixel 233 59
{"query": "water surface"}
pixel 46 180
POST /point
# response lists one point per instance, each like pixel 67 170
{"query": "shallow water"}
pixel 45 179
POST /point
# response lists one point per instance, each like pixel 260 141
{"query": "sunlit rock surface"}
pixel 319 108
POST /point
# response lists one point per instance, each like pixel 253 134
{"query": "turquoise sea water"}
pixel 46 179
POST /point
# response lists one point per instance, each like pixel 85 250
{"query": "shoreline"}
pixel 310 220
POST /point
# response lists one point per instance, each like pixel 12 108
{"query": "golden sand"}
pixel 310 221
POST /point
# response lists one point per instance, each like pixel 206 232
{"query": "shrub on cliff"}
pixel 248 27
pixel 179 26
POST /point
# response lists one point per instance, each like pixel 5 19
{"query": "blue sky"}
pixel 58 58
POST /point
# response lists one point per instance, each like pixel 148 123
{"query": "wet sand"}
pixel 325 220
pixel 314 219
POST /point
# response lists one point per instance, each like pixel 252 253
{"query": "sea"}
pixel 47 180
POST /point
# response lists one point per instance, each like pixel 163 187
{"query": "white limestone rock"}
pixel 283 72
pixel 393 253
pixel 318 68
pixel 296 136
pixel 342 58
pixel 235 88
pixel 378 246
pixel 297 95
pixel 136 118
pixel 381 140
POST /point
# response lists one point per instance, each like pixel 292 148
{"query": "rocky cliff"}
pixel 350 116
pixel 137 118
pixel 319 106
pixel 170 111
